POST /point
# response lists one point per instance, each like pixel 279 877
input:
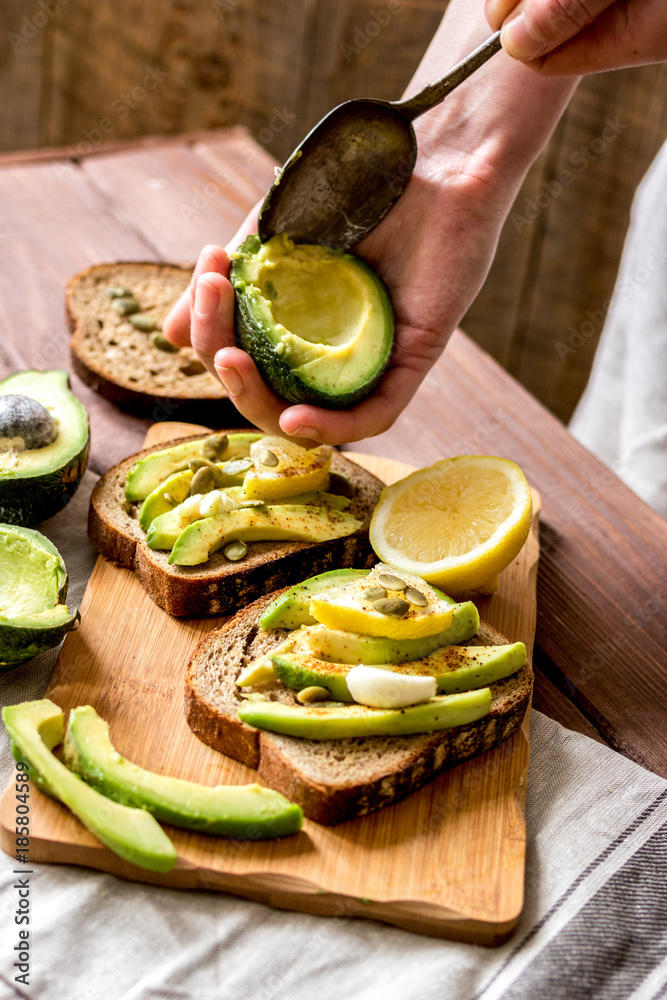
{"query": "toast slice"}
pixel 332 780
pixel 220 587
pixel 121 363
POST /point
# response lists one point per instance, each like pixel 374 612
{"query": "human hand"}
pixel 432 251
pixel 576 37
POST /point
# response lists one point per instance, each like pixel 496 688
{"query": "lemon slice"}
pixel 457 523
pixel 283 469
pixel 372 606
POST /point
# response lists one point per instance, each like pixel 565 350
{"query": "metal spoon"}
pixel 351 168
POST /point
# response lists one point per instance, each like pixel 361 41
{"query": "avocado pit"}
pixel 25 424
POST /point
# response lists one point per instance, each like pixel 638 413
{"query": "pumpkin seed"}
pixel 118 292
pixel 311 694
pixel 193 368
pixel 375 593
pixel 160 341
pixel 267 458
pixel 237 466
pixel 391 582
pixel 215 446
pixel 235 551
pixel 415 597
pixel 204 463
pixel 144 322
pixel 203 481
pixel 126 306
pixel 394 607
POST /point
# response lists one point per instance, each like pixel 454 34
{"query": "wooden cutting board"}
pixel 448 861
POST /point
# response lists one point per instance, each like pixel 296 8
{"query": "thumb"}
pixel 533 28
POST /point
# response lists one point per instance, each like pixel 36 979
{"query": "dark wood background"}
pixel 75 73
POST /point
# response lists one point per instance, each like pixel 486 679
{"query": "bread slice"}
pixel 121 363
pixel 220 587
pixel 331 780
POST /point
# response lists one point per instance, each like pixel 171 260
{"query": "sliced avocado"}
pixel 33 590
pixel 44 444
pixel 290 610
pixel 317 321
pixel 330 722
pixel 150 471
pixel 165 529
pixel 455 668
pixel 227 810
pixel 353 648
pixel 34 728
pixel 284 522
pixel 156 503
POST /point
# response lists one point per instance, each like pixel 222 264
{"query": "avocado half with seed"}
pixel 33 589
pixel 44 444
pixel 317 321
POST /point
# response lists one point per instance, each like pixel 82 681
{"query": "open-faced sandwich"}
pixel 355 688
pixel 212 522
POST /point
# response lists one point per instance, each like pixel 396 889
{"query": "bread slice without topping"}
pixel 332 780
pixel 220 587
pixel 121 363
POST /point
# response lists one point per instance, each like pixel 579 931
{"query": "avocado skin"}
pixel 230 811
pixel 26 500
pixel 21 641
pixel 276 372
pixel 328 722
pixel 34 729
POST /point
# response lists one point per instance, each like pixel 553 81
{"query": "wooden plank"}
pixel 448 861
pixel 24 70
pixel 602 589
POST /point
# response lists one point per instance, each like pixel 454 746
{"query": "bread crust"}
pixel 220 587
pixel 107 354
pixel 332 780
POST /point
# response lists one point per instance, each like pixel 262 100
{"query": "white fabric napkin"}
pixel 594 925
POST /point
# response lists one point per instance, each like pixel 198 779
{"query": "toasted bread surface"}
pixel 220 587
pixel 332 780
pixel 120 362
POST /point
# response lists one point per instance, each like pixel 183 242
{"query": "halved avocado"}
pixel 317 321
pixel 33 588
pixel 44 444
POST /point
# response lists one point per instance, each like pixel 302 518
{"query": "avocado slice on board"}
pixel 33 590
pixel 329 721
pixel 34 729
pixel 227 810
pixel 44 444
pixel 317 321
pixel 455 668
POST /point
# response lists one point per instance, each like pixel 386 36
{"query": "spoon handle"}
pixel 436 92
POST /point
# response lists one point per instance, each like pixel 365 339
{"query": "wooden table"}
pixel 602 588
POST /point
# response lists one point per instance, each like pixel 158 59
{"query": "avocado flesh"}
pixel 317 321
pixel 284 522
pixel 290 610
pixel 151 471
pixel 34 728
pixel 455 668
pixel 36 483
pixel 230 811
pixel 165 529
pixel 335 722
pixel 353 648
pixel 177 485
pixel 33 588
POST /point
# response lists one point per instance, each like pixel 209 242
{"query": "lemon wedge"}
pixel 395 606
pixel 456 524
pixel 283 469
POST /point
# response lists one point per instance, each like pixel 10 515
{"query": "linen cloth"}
pixel 594 924
pixel 622 415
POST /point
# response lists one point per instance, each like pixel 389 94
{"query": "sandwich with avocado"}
pixel 354 688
